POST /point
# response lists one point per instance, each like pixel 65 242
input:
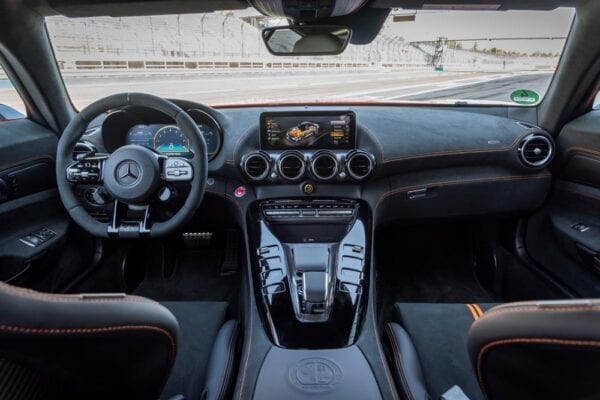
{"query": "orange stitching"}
pixel 593 343
pixel 474 313
pixel 67 298
pixel 398 362
pixel 584 150
pixel 58 331
pixel 478 310
pixel 456 152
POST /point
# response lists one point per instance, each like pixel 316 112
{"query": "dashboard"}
pixel 406 162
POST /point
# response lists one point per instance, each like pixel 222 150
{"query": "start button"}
pixel 308 188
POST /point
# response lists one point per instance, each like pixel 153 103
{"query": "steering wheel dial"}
pixel 132 174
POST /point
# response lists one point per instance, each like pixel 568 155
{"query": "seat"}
pixel 207 352
pixel 113 346
pixel 527 350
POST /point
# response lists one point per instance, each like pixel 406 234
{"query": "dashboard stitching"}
pixel 577 149
pixel 454 152
pixel 457 182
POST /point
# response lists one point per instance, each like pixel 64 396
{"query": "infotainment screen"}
pixel 308 130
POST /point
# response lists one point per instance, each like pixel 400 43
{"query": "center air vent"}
pixel 324 166
pixel 360 165
pixel 256 166
pixel 536 150
pixel 291 166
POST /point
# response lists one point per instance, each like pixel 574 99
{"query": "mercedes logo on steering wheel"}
pixel 128 173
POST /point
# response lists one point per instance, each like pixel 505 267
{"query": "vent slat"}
pixel 536 150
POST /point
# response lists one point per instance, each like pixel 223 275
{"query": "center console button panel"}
pixel 307 211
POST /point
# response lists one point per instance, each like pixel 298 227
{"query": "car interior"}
pixel 299 199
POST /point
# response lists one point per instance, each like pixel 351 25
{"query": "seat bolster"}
pixel 576 320
pixel 79 342
pixel 221 366
pixel 406 366
pixel 536 335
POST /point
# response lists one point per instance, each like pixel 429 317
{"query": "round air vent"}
pixel 291 166
pixel 256 166
pixel 359 165
pixel 324 166
pixel 536 150
pixel 82 149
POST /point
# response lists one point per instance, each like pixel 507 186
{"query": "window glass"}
pixel 11 104
pixel 424 56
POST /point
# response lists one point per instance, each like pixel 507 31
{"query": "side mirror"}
pixel 306 40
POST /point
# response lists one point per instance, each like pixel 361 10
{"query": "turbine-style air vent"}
pixel 360 165
pixel 291 166
pixel 256 166
pixel 324 166
pixel 536 150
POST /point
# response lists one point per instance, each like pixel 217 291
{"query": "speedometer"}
pixel 171 140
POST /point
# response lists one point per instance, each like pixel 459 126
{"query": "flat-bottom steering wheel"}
pixel 132 174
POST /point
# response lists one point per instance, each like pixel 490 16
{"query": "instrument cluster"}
pixel 138 126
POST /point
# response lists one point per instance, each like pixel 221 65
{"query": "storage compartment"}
pixel 305 374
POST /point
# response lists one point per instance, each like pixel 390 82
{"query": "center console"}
pixel 310 254
pixel 310 269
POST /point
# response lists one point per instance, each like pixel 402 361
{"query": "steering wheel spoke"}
pixel 177 169
pixel 87 170
pixel 129 221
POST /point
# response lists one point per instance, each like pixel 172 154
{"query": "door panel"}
pixel 564 237
pixel 33 223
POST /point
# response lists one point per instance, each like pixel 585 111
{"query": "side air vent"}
pixel 256 166
pixel 324 166
pixel 82 149
pixel 536 150
pixel 291 166
pixel 359 165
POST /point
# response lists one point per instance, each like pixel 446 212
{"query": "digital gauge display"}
pixel 169 140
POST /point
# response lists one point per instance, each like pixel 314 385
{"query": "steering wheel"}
pixel 132 174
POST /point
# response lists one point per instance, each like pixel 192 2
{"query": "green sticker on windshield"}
pixel 524 96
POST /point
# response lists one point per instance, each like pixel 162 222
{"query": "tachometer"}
pixel 171 140
pixel 211 138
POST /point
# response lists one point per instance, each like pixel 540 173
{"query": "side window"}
pixel 596 105
pixel 11 104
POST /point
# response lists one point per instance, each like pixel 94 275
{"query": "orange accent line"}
pixel 478 310
pixel 473 311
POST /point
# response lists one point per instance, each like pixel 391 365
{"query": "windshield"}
pixel 489 57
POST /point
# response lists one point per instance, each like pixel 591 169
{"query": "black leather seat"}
pixel 528 350
pixel 104 346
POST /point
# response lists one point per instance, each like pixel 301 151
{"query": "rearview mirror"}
pixel 306 40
